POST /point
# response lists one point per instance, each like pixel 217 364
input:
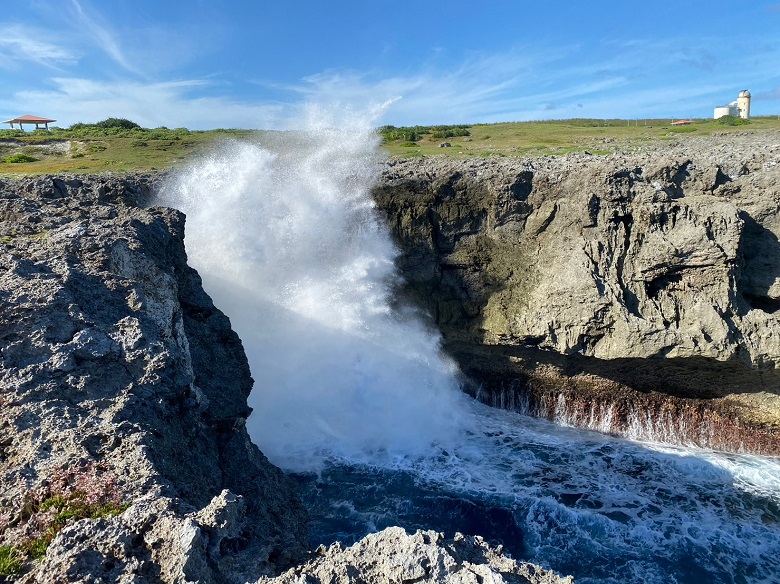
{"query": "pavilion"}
pixel 28 119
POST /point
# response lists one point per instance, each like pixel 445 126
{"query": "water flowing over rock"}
pixel 561 283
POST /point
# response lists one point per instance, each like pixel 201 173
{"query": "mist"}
pixel 289 244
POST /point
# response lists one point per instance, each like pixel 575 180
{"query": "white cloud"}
pixel 149 104
pixel 105 38
pixel 23 44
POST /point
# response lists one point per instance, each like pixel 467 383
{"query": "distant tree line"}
pixel 106 124
pixel 415 133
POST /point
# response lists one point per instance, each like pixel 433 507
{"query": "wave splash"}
pixel 286 236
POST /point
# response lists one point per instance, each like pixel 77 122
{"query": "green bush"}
pixel 732 121
pixel 88 492
pixel 11 133
pixel 414 133
pixel 449 131
pixel 18 158
pixel 117 123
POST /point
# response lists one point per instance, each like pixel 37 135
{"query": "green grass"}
pixel 118 146
pixel 10 560
pixel 93 149
pixel 36 517
pixel 558 137
pixel 68 510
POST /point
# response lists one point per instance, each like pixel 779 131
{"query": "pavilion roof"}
pixel 31 119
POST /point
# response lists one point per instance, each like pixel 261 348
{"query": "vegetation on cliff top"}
pixel 118 144
pixel 69 495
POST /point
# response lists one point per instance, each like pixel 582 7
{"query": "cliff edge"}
pixel 637 294
pixel 117 368
pixel 123 449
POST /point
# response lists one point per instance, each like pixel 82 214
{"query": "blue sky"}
pixel 253 63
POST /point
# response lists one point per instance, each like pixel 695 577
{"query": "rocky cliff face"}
pixel 123 449
pixel 114 358
pixel 564 284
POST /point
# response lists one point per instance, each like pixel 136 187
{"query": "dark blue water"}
pixel 601 509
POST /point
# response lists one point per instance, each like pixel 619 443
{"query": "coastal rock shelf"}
pixel 636 294
pixel 647 280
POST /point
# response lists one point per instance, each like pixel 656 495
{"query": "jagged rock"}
pixel 113 353
pixel 393 556
pixel 664 261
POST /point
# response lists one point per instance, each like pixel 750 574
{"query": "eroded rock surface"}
pixel 393 556
pixel 649 269
pixel 112 353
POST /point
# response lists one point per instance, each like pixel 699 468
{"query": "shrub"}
pixel 117 123
pixel 409 145
pixel 414 133
pixel 11 133
pixel 451 133
pixel 732 121
pixel 88 492
pixel 19 158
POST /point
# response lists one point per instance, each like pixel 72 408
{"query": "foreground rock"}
pixel 393 556
pixel 113 355
pixel 621 293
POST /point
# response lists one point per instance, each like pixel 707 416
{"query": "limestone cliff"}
pixel 572 286
pixel 113 355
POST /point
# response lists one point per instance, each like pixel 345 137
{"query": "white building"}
pixel 739 108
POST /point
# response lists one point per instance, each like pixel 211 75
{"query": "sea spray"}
pixel 286 236
pixel 352 392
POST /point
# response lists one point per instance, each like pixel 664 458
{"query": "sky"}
pixel 255 63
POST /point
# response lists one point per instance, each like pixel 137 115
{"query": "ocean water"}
pixel 354 397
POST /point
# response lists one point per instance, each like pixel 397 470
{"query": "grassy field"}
pixel 564 136
pixel 90 152
pixel 90 149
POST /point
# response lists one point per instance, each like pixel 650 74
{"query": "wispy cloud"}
pixel 771 95
pixel 104 37
pixel 22 44
pixel 172 104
